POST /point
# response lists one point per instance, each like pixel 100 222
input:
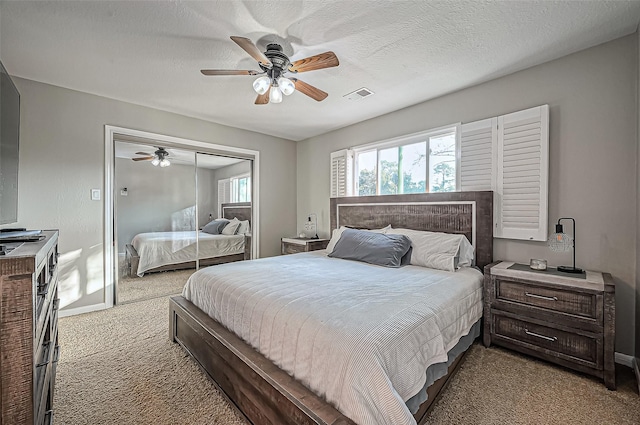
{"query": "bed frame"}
pixel 241 210
pixel 263 393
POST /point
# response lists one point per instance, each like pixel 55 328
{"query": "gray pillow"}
pixel 215 227
pixel 373 248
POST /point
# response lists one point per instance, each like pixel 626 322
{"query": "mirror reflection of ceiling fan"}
pixel 159 157
pixel 274 64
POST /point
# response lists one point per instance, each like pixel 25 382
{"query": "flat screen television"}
pixel 9 147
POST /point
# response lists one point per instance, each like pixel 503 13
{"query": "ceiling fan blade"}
pixel 263 99
pixel 143 153
pixel 323 60
pixel 229 72
pixel 144 158
pixel 309 90
pixel 253 51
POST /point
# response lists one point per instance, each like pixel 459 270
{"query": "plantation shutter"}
pixel 224 194
pixel 341 170
pixel 478 152
pixel 522 174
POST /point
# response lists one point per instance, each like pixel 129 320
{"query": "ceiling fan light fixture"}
pixel 275 95
pixel 165 162
pixel 261 84
pixel 155 162
pixel 286 86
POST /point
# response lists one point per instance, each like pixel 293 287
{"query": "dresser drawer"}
pixel 564 301
pixel 540 338
pixel 291 248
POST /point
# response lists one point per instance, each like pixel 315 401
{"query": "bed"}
pixel 162 251
pixel 265 393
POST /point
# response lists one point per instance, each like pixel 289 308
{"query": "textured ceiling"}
pixel 406 52
pixel 176 156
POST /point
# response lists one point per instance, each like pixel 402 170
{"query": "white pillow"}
pixel 244 227
pixel 442 251
pixel 335 235
pixel 231 228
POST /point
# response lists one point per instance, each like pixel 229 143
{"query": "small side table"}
pixel 295 245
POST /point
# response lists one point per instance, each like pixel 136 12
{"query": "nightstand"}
pixel 562 318
pixel 295 245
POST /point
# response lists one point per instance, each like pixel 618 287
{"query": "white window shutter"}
pixel 224 194
pixel 341 173
pixel 478 155
pixel 522 174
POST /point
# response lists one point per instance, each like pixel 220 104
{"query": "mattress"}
pixel 358 335
pixel 158 249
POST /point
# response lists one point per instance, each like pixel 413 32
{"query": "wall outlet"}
pixel 95 194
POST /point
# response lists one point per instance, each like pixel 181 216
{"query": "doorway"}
pixel 175 198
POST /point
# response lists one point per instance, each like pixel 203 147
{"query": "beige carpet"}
pixel 118 367
pixel 151 285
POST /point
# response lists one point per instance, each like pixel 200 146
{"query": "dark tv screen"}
pixel 9 147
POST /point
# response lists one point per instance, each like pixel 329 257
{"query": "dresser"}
pixel 559 317
pixel 29 331
pixel 295 245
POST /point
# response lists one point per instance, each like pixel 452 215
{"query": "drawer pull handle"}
pixel 548 338
pixel 542 297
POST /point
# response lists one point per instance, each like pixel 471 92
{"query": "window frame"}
pixel 408 139
pixel 236 189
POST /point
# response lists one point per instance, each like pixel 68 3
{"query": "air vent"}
pixel 358 94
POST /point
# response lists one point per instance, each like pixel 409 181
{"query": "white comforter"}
pixel 163 248
pixel 361 336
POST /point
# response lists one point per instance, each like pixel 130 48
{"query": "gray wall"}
pixel 159 199
pixel 224 173
pixel 593 152
pixel 62 158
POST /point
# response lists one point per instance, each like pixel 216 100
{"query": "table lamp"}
pixel 560 241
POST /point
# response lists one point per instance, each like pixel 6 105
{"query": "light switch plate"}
pixel 95 194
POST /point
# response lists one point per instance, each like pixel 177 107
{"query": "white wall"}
pixel 62 158
pixel 593 153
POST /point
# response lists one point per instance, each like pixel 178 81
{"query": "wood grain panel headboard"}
pixel 468 213
pixel 240 210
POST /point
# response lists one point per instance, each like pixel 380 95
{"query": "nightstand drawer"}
pixel 539 338
pixel 290 248
pixel 565 301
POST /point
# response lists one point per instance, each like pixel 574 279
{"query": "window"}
pixel 241 189
pixel 425 162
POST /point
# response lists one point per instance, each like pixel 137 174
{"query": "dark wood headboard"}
pixel 468 213
pixel 240 210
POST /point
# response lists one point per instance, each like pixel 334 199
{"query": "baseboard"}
pixel 624 359
pixel 81 310
pixel 636 368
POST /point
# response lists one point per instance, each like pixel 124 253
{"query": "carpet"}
pixel 118 366
pixel 151 285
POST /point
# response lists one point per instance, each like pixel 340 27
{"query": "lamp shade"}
pixel 286 85
pixel 560 242
pixel 275 95
pixel 261 84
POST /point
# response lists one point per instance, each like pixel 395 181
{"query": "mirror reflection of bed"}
pixel 171 219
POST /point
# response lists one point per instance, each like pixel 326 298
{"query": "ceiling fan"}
pixel 159 157
pixel 274 64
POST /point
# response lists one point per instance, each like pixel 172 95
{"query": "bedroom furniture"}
pixel 563 318
pixel 29 331
pixel 560 241
pixel 295 245
pixel 240 210
pixel 262 392
pixel 247 247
